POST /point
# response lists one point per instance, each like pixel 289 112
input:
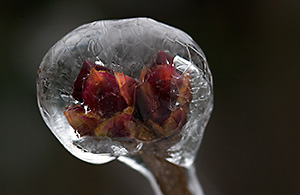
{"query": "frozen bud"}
pixel 82 76
pixel 163 95
pixel 120 125
pixel 108 97
pixel 102 94
pixel 127 87
pixel 84 123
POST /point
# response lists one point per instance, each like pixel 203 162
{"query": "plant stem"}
pixel 165 178
pixel 170 178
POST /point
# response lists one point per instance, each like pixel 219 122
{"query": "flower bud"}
pixel 120 125
pixel 82 76
pixel 163 95
pixel 101 93
pixel 108 97
pixel 84 123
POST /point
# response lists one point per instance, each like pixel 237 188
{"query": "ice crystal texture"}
pixel 124 46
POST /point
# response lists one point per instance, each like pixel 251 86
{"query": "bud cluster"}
pixel 116 105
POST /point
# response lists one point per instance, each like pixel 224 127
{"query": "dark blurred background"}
pixel 251 144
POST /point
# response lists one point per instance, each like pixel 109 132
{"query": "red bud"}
pixel 161 88
pixel 82 122
pixel 101 93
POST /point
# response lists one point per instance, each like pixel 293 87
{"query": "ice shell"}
pixel 124 46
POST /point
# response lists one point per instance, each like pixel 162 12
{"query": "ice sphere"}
pixel 125 47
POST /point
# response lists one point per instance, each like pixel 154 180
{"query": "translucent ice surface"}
pixel 124 46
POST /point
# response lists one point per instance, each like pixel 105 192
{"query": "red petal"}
pixel 82 76
pixel 102 94
pixel 158 93
pixel 146 104
pixel 120 125
pixel 127 86
pixel 150 108
pixel 176 120
pixel 161 88
pixel 83 123
pixel 184 94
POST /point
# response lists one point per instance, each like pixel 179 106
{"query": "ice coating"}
pixel 123 46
